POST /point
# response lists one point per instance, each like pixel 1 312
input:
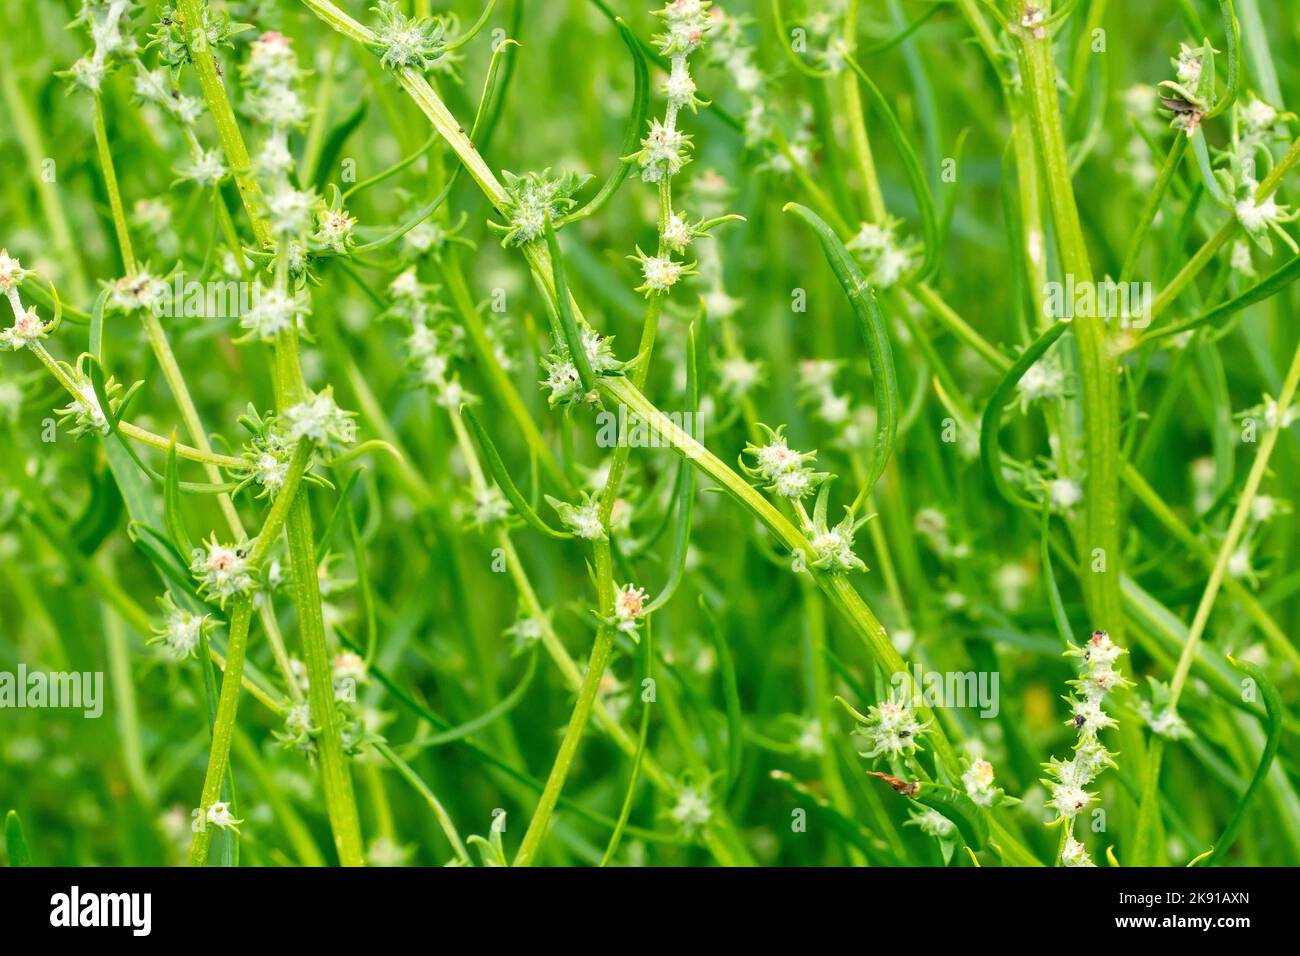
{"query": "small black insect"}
pixel 1179 105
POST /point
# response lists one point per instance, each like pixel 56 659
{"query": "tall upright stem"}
pixel 1098 542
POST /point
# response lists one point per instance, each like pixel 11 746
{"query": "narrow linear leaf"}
pixel 990 450
pixel 16 841
pixel 502 477
pixel 865 308
pixel 1273 704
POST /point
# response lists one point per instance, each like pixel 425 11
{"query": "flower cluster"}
pixel 27 327
pixel 267 453
pixel 629 606
pixel 978 781
pixel 833 545
pixel 1069 778
pixel 582 519
pixel 217 815
pixel 223 571
pixel 882 254
pixel 319 418
pixel 180 631
pixel 403 41
pixel 890 729
pixel 173 36
pixel 780 469
pixel 300 732
pixel 108 22
pixel 1043 380
pixel 273 312
pixel 692 808
pixel 1160 714
pixel 434 345
pixel 273 99
pixel 1188 97
pixel 84 412
pixel 141 290
pixel 562 382
pixel 532 201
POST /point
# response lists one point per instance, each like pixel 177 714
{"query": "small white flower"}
pixel 222 571
pixel 1263 508
pixel 660 273
pixel 180 631
pixel 290 211
pixel 584 521
pixel 1042 380
pixel 320 419
pixel 664 151
pixel 890 266
pixel 932 823
pixel 1032 20
pixel 490 507
pixel 677 233
pixel 629 605
pixel 562 380
pixel 1189 65
pixel 1258 115
pixel 403 41
pixel 219 815
pixel 139 291
pixel 273 312
pixel 1009 582
pixel 738 376
pixel 1256 216
pixel 679 88
pixel 871 238
pixel 1064 493
pixel 1239 565
pixel 692 810
pixel 12 272
pixel 27 328
pixel 89 73
pixel 811 742
pixel 1075 854
pixel 1069 801
pixel 334 229
pixel 978 781
pixel 890 729
pixel 1240 261
pixel 274 160
pixel 204 168
pixel 349 666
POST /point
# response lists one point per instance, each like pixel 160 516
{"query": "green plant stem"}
pixel 336 780
pixel 1236 527
pixel 857 126
pixel 223 728
pixel 110 184
pixel 223 116
pixel 604 564
pixel 340 802
pixel 1098 543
